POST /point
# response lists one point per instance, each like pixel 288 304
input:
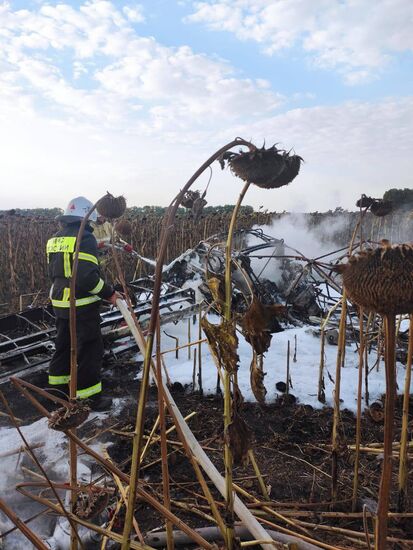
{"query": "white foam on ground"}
pixel 303 373
pixel 54 458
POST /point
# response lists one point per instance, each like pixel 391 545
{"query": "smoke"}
pixel 298 233
pixel 397 227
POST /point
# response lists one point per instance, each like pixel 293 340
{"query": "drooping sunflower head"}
pixel 111 207
pixel 123 228
pixel 267 168
pixel 381 279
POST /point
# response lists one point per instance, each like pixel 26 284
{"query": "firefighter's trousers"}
pixel 89 355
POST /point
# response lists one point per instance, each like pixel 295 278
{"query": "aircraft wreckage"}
pixel 307 286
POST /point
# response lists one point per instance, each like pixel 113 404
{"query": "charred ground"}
pixel 292 446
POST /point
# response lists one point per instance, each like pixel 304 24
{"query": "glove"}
pixel 115 296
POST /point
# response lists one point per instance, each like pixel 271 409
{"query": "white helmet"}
pixel 77 209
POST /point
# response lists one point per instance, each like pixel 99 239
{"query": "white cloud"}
pixel 134 13
pixel 128 80
pixel 356 37
pixel 349 149
pixel 79 69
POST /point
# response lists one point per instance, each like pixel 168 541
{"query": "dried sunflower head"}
pixel 194 201
pixel 111 207
pixel 364 202
pixel 67 418
pixel 197 208
pixel 381 280
pixel 381 208
pixel 268 168
pixel 189 198
pixel 91 503
pixel 377 412
pixel 123 228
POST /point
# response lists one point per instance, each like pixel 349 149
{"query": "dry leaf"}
pixel 239 437
pixel 257 381
pixel 257 324
pixel 223 342
pixel 237 399
pixel 217 289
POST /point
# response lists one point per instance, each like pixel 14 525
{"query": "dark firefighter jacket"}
pixel 90 287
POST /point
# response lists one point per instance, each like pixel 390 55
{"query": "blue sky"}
pixel 132 97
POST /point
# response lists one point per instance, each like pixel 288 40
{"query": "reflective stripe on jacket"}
pixel 90 287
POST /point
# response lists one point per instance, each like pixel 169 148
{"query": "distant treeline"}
pixel 133 211
pixel 402 199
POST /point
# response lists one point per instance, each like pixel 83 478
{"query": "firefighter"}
pixel 90 290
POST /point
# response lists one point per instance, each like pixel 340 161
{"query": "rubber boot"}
pixel 100 402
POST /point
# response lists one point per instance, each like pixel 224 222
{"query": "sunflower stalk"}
pixel 385 482
pixel 359 411
pixel 321 396
pixel 129 501
pixel 89 525
pixel 370 323
pixel 228 459
pixel 336 414
pixel 403 465
pixel 201 391
pixel 287 376
pixel 257 471
pixel 164 448
pixel 189 338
